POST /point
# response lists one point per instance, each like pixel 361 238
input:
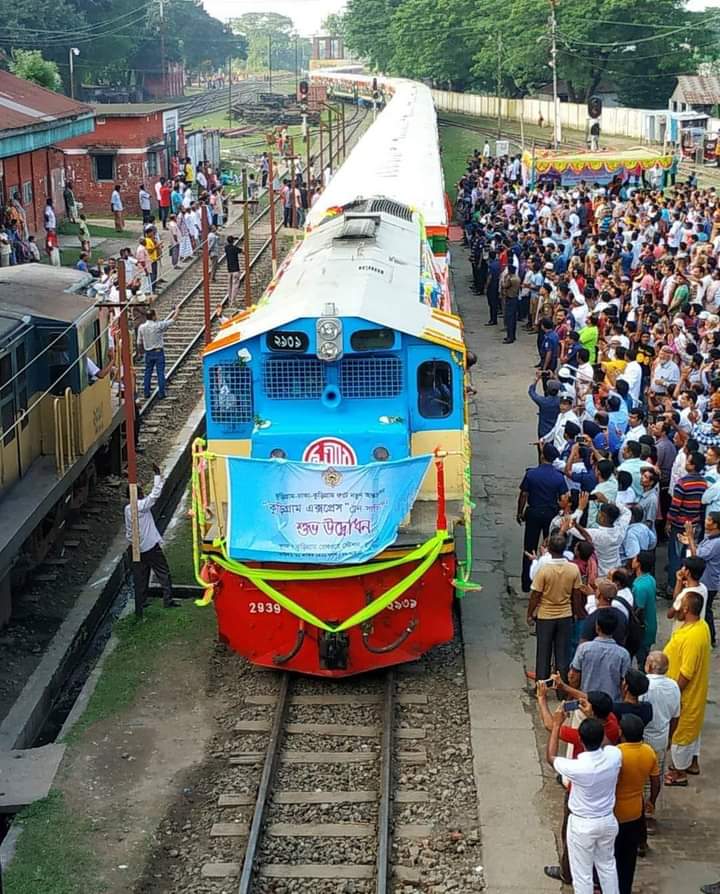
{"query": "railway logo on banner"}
pixel 284 511
pixel 330 452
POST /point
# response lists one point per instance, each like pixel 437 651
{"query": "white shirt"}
pixel 115 201
pixel 633 434
pixel 594 776
pixel 144 199
pixel 632 374
pixel 556 435
pixel 50 219
pixel 149 534
pixel 607 541
pixel 664 696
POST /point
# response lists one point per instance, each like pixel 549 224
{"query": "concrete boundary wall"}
pixel 616 120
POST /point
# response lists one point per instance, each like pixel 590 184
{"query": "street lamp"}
pixel 74 51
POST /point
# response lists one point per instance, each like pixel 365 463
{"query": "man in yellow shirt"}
pixel 152 245
pixel 688 653
pixel 639 762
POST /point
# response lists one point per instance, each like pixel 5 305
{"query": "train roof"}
pixel 42 292
pixel 397 157
pixel 366 263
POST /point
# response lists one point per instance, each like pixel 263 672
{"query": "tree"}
pixel 30 65
pixel 368 30
pixel 333 25
pixel 271 36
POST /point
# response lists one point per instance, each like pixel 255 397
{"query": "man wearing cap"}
pixel 556 436
pixel 548 405
pixel 537 504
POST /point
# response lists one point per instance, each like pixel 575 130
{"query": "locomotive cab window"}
pixel 372 340
pixel 434 384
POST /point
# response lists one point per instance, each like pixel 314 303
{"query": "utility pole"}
pixel 553 57
pixel 162 47
pixel 246 239
pixel 271 199
pixel 74 51
pixel 206 270
pixel 297 70
pixel 269 63
pixel 499 83
pixel 129 407
pixel 229 91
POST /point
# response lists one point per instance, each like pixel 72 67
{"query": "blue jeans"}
pixel 154 360
pixel 674 558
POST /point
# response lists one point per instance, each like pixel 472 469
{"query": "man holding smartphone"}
pixel 592 827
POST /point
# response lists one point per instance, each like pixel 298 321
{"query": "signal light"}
pixel 594 107
pixel 304 89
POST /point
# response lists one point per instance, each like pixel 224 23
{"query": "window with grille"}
pixel 231 398
pixel 371 377
pixel 293 378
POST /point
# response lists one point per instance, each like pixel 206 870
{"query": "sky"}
pixel 307 14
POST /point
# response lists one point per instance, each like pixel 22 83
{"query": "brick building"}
pixel 132 144
pixel 32 121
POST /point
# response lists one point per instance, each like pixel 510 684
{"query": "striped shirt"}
pixel 687 503
pixel 705 435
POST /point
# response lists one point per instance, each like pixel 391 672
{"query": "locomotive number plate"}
pixel 287 341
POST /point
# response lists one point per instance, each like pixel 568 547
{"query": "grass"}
pixel 66 228
pixel 457 146
pixel 138 655
pixel 52 855
pixel 178 549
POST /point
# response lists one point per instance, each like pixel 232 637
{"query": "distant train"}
pixel 335 469
pixel 54 414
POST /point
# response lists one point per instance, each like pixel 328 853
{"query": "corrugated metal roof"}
pixel 132 109
pixel 23 104
pixel 45 292
pixel 702 90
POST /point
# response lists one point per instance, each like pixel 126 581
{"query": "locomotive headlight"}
pixel 278 453
pixel 328 329
pixel 328 350
pixel 381 454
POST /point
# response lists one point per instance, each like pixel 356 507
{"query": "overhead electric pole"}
pixel 269 63
pixel 163 79
pixel 499 83
pixel 553 64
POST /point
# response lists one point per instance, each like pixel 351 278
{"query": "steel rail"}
pixel 265 787
pixel 384 825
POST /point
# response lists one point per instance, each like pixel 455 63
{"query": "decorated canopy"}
pixel 594 167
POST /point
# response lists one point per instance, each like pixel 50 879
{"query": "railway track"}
pixel 330 753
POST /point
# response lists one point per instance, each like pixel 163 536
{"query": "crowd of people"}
pixel 619 285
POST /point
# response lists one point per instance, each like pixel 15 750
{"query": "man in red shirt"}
pixel 164 201
pixel 599 705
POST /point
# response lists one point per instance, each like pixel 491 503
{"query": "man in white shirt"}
pixel 664 696
pixel 607 537
pixel 116 206
pixel 592 826
pixel 556 435
pixel 632 374
pixel 636 427
pixel 152 558
pixel 144 200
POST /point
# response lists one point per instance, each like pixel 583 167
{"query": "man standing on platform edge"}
pixel 152 558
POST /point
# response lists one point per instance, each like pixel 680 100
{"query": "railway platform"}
pixel 519 799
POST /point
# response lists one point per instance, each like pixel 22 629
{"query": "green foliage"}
pixel 637 46
pixel 333 25
pixel 30 65
pixel 271 36
pixel 53 855
pixel 119 40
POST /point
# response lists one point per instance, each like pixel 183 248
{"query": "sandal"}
pixel 692 772
pixel 672 780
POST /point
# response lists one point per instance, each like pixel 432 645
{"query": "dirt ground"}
pixel 125 771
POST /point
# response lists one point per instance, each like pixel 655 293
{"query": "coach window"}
pixel 372 340
pixel 104 166
pixel 434 383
